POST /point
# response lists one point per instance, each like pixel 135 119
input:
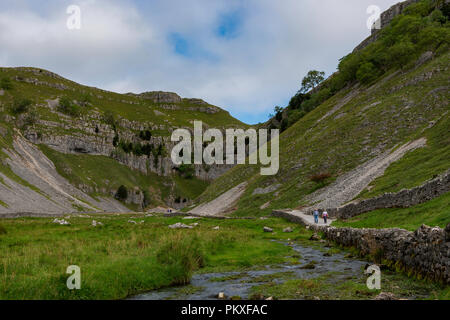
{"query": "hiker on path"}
pixel 316 216
pixel 325 217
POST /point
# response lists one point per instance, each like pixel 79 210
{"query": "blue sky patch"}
pixel 230 24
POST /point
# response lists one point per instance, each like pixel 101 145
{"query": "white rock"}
pixel 216 228
pixel 180 225
pixel 61 222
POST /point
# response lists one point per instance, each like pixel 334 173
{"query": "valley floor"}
pixel 129 254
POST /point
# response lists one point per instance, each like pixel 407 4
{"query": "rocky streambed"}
pixel 307 263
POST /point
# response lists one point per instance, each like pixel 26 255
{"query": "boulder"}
pixel 267 229
pixel 288 230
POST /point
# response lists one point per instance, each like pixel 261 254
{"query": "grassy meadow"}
pixel 120 258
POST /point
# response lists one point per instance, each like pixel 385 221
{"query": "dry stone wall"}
pixel 425 252
pixel 402 199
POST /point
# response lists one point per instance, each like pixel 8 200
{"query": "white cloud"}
pixel 123 46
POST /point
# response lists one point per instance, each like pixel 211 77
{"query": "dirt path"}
pixel 222 204
pixel 349 185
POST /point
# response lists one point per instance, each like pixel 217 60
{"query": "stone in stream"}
pixel 314 237
pixel 267 229
pixel 385 296
pixel 221 296
pixel 288 230
pixel 310 265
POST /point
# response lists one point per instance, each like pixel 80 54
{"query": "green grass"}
pixel 433 213
pixel 120 259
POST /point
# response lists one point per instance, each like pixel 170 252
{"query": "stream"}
pixel 232 284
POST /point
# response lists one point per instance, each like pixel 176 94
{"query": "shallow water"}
pixel 208 289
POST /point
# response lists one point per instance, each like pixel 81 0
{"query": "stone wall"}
pixel 402 199
pixel 425 252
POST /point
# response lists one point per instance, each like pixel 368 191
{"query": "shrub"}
pixel 401 53
pixel 320 177
pixel 183 255
pixel 367 73
pixel 6 84
pixel 20 105
pixel 145 135
pixel 31 118
pixel 147 198
pixel 67 107
pixel 187 171
pixel 122 193
pixel 109 118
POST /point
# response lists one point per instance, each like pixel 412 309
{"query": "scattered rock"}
pixel 263 218
pixel 61 222
pixel 267 229
pixel 149 215
pixel 189 218
pixel 216 228
pixel 132 221
pixel 269 298
pixel 316 298
pixel 288 230
pixel 269 189
pixel 385 296
pixel 221 296
pixel 180 225
pixel 314 237
pixel 96 223
pixel 194 224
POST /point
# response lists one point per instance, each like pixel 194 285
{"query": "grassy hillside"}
pixel 401 106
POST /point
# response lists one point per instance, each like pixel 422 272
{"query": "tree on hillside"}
pixel 312 80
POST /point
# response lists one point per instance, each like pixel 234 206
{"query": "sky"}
pixel 245 56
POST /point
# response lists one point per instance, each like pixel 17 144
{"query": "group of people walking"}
pixel 316 214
